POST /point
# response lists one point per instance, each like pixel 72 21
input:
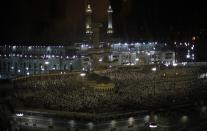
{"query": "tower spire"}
pixel 110 24
pixel 88 20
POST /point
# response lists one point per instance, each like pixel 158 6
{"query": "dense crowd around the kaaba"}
pixel 134 89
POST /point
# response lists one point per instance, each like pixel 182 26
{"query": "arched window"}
pixel 0 66
pixel 30 66
pixel 71 67
pixel 16 67
pixel 54 67
pixel 4 66
pixel 46 68
pixel 35 68
pixel 40 66
pixel 65 67
pixel 24 67
pixel 8 66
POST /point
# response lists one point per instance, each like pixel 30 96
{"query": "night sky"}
pixel 63 20
pixel 48 19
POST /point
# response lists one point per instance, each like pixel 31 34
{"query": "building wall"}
pixel 30 60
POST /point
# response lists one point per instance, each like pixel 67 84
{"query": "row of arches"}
pixel 22 68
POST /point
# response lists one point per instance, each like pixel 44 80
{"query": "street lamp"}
pixel 113 124
pixel 184 121
pixel 131 122
pixel 90 126
pixel 146 118
pixel 154 69
pixel 72 123
pixel 19 115
pixel 82 80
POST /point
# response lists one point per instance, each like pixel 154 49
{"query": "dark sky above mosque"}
pixel 133 19
pixel 48 19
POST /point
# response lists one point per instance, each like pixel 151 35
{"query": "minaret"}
pixel 89 20
pixel 110 25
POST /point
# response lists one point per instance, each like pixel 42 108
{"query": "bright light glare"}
pixel 184 119
pixel 153 126
pixel 82 74
pixel 184 63
pixel 29 48
pixel 146 118
pixel 72 123
pixel 175 64
pixel 90 125
pixel 113 123
pixel 154 69
pixel 100 60
pixel 19 114
pixel 14 47
pixel 46 62
pixel 131 121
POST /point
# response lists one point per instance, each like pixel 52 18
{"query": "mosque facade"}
pixel 93 53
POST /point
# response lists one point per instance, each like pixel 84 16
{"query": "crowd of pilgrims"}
pixel 134 89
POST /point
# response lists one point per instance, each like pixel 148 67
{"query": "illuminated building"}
pixel 31 60
pixel 16 60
